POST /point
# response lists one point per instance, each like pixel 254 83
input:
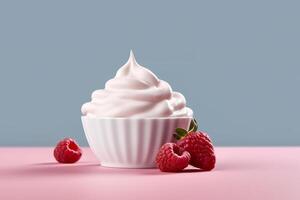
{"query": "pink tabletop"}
pixel 241 173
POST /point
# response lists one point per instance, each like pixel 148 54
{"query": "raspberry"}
pixel 198 144
pixel 200 148
pixel 67 151
pixel 171 158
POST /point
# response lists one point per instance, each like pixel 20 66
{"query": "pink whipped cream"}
pixel 135 91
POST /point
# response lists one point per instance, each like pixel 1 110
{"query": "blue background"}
pixel 236 62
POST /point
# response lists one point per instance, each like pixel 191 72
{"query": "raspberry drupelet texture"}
pixel 200 148
pixel 171 158
pixel 198 144
pixel 67 151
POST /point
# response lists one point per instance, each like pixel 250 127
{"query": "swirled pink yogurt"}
pixel 135 91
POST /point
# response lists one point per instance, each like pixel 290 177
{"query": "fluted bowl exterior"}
pixel 130 142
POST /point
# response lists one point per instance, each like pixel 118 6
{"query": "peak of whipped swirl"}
pixel 135 91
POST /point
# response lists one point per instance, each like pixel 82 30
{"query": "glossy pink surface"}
pixel 241 173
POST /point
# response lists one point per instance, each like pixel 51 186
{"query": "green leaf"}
pixel 181 132
pixel 177 137
pixel 193 126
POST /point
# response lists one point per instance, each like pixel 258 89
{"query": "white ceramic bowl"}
pixel 130 142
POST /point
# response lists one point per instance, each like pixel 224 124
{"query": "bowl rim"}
pixel 136 118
